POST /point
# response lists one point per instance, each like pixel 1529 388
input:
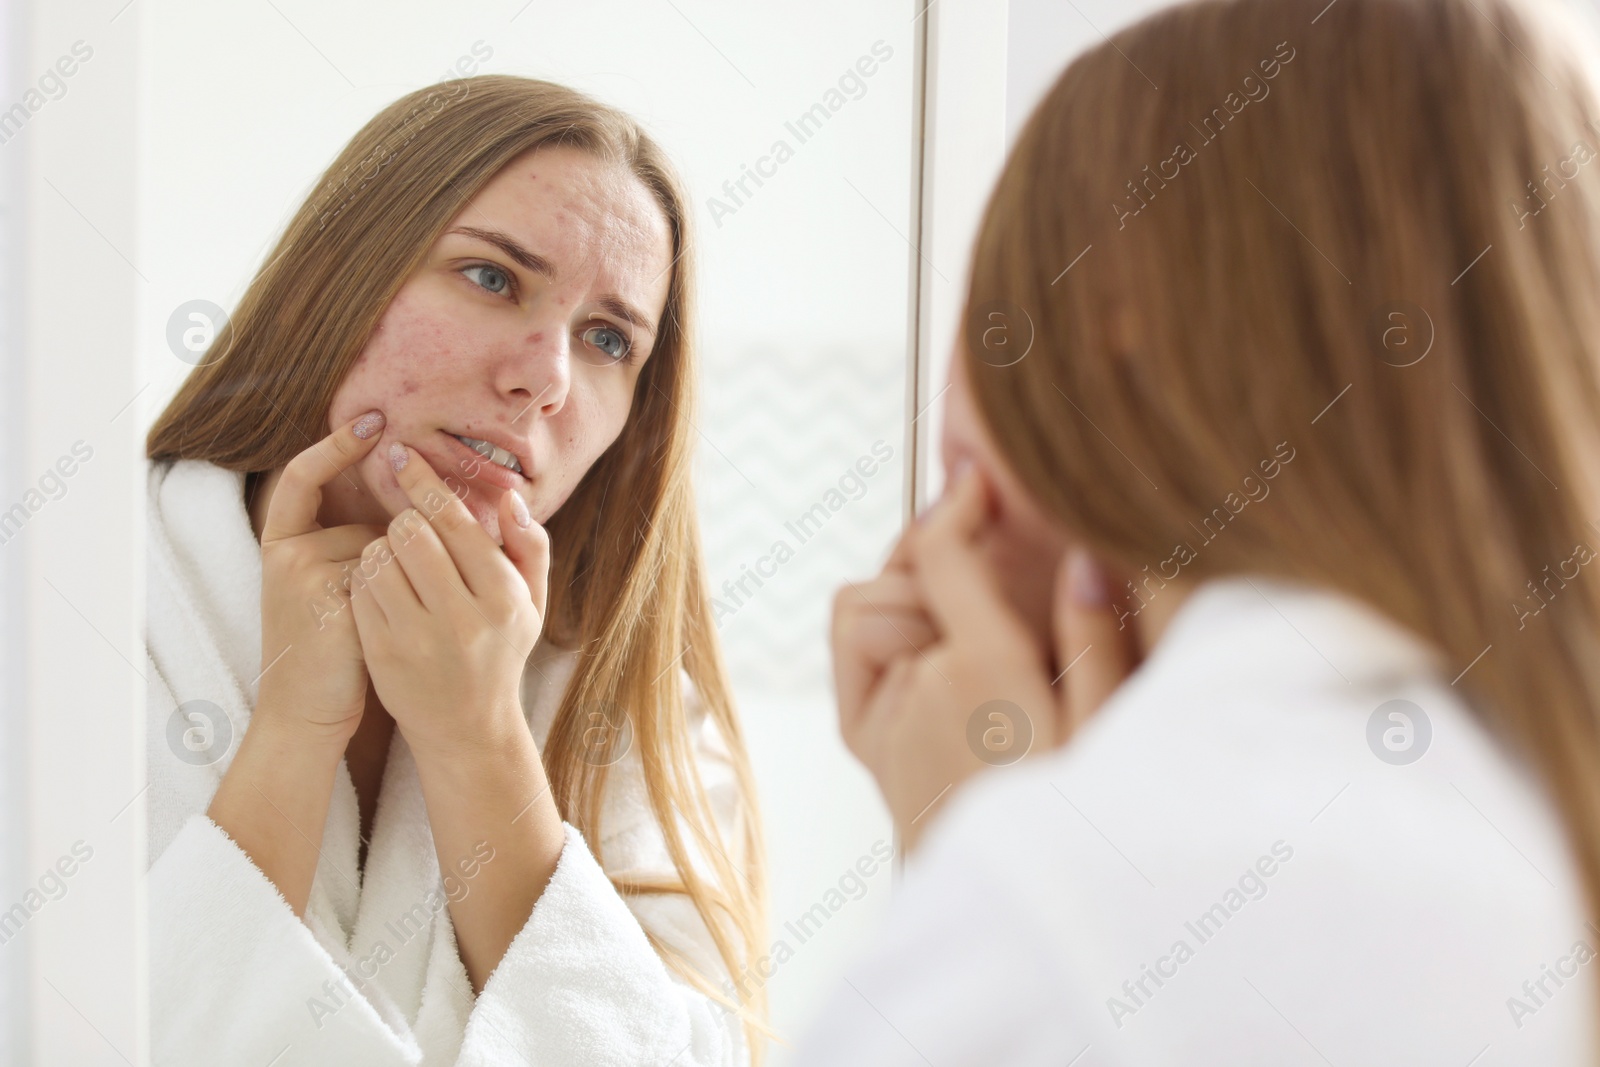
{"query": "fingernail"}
pixel 397 455
pixel 368 424
pixel 1086 582
pixel 519 509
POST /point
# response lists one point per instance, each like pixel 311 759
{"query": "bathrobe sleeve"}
pixel 235 975
pixel 238 978
pixel 581 982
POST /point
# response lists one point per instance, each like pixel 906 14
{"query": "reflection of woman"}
pixel 1342 802
pixel 465 819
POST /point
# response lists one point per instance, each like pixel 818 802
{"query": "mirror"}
pixel 793 133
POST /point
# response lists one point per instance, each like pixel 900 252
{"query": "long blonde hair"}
pixel 627 582
pixel 1373 234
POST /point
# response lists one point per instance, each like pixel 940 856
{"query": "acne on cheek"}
pixel 411 325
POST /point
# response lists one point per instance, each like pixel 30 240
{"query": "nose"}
pixel 537 370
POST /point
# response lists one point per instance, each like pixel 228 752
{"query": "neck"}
pixel 256 500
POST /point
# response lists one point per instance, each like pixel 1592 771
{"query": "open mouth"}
pixel 492 453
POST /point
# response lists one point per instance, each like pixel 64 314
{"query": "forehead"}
pixel 595 220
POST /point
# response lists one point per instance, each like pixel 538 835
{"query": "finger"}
pixel 872 622
pixel 886 701
pixel 338 543
pixel 527 546
pixel 880 638
pixel 467 543
pixel 853 673
pixel 899 560
pixel 298 495
pixel 863 650
pixel 890 590
pixel 426 562
pixel 961 593
pixel 381 575
pixel 371 623
pixel 338 587
pixel 868 731
pixel 1093 649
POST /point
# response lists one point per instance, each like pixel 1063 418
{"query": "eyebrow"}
pixel 541 266
pixel 625 311
pixel 524 258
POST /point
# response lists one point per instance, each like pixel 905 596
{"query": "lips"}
pixel 492 452
pixel 508 448
pixel 473 465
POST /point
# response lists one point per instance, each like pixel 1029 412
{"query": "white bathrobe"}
pixel 1248 856
pixel 372 976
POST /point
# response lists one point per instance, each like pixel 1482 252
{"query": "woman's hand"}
pixel 314 678
pixel 447 620
pixel 273 799
pixel 937 676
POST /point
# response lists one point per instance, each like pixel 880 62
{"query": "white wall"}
pixel 74 541
pixel 1046 34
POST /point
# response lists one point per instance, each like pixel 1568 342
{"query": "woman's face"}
pixel 526 326
pixel 1020 544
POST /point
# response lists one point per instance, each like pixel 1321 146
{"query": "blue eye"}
pixel 607 339
pixel 491 278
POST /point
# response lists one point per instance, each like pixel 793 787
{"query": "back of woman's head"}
pixel 1364 240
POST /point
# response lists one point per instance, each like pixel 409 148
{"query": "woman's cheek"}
pixel 580 441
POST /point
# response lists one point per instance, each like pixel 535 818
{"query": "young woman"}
pixel 444 766
pixel 1310 439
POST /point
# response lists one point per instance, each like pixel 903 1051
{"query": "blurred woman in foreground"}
pixel 1307 438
